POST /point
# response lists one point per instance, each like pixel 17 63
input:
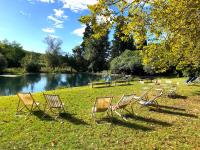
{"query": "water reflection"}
pixel 42 82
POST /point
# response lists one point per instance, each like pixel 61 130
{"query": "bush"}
pixel 32 67
pixel 3 62
pixel 30 63
pixel 128 62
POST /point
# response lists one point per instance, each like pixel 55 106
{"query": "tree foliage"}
pixel 128 62
pixel 119 45
pixel 175 26
pixel 13 52
pixel 30 63
pixel 53 51
pixel 3 62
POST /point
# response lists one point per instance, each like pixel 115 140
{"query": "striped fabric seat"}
pixel 53 102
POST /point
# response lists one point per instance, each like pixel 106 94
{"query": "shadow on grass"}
pixel 174 113
pixel 171 107
pixel 70 117
pixel 149 120
pixel 115 121
pixel 98 87
pixel 43 116
pixel 124 84
pixel 177 96
pixel 197 93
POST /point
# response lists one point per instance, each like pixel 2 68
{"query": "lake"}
pixel 11 84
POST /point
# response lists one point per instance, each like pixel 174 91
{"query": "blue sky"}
pixel 29 21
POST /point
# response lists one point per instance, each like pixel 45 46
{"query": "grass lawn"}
pixel 174 127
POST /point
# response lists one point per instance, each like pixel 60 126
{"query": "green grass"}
pixel 167 129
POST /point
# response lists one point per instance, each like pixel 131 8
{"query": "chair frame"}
pixel 149 101
pixel 107 110
pixel 47 105
pixel 34 104
pixel 123 106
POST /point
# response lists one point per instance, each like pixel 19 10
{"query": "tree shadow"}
pixel 149 120
pixel 98 87
pixel 43 116
pixel 115 121
pixel 177 96
pixel 197 93
pixel 171 107
pixel 70 117
pixel 174 113
pixel 124 84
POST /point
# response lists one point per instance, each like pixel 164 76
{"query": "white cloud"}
pixel 58 12
pixel 58 18
pixel 79 31
pixel 24 13
pixel 57 22
pixel 53 36
pixel 48 30
pixel 78 5
pixel 47 1
pixel 31 2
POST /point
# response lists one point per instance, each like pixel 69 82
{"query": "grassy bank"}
pixel 175 127
pixel 18 71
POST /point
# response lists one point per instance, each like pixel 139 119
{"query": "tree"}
pixel 174 23
pixel 120 45
pixel 128 62
pixel 3 62
pixel 13 52
pixel 78 54
pixel 53 51
pixel 95 51
pixel 30 63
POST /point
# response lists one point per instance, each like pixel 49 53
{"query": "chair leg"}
pixel 120 115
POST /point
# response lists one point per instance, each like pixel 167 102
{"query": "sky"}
pixel 29 21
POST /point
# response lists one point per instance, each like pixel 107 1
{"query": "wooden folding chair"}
pixel 149 98
pixel 28 102
pixel 102 104
pixel 122 104
pixel 170 89
pixel 53 102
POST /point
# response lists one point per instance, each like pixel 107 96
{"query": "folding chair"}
pixel 122 104
pixel 28 102
pixel 170 89
pixel 149 98
pixel 102 104
pixel 53 102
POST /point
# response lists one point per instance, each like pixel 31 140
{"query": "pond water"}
pixel 11 84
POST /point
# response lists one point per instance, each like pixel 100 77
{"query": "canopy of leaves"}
pixel 53 51
pixel 127 62
pixel 3 62
pixel 173 24
pixel 30 63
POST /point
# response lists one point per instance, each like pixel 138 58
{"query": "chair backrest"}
pixel 26 98
pixel 103 103
pixel 156 93
pixel 125 100
pixel 53 100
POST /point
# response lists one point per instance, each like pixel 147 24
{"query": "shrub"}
pixel 3 62
pixel 30 63
pixel 128 62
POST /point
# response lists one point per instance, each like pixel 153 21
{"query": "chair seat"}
pixel 58 106
pixel 145 102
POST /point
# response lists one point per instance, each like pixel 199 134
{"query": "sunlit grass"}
pixel 175 127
